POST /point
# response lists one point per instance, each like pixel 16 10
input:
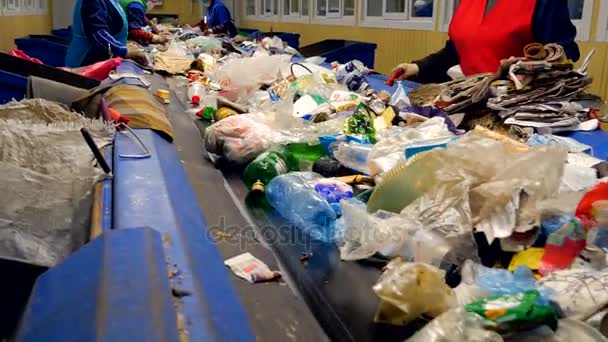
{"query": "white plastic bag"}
pixel 243 77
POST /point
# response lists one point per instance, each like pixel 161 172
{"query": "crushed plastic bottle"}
pixel 293 195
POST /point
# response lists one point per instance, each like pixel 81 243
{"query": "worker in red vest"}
pixel 482 33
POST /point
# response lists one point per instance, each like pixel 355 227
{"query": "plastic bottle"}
pixel 354 156
pixel 293 195
pixel 306 154
pixel 274 162
pixel 195 92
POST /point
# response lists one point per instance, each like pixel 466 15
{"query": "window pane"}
pixel 304 11
pixel 250 9
pixel 576 9
pixel 321 8
pixel 374 8
pixel 395 6
pixel 422 8
pixel 275 7
pixel 349 7
pixel 286 9
pixel 267 7
pixel 334 6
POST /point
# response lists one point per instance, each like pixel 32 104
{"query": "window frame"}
pixel 338 19
pixel 446 14
pixel 403 21
pixel 602 23
pixel 583 25
pixel 295 17
pixel 259 11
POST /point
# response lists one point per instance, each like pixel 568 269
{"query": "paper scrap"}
pixel 251 268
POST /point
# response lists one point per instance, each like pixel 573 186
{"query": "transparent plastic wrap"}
pixel 361 235
pixel 488 182
pixel 409 290
pixel 456 325
pixel 47 179
pixel 241 78
pixel 239 138
pixel 389 150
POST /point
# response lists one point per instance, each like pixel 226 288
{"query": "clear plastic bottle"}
pixel 196 91
pixel 293 195
pixel 354 156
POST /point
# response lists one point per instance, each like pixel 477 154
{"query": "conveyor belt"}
pixel 274 311
pixel 339 294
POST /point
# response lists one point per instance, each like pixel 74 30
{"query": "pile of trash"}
pixel 541 90
pixel 490 237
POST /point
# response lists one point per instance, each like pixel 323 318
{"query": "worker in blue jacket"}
pixel 99 32
pixel 219 20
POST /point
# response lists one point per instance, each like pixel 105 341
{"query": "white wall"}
pixel 63 11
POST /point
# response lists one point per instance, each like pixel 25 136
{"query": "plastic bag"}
pixel 239 138
pixel 409 290
pixel 23 55
pixel 578 292
pixel 469 291
pixel 100 70
pixel 400 96
pixel 456 325
pixel 205 44
pixel 47 181
pixel 240 78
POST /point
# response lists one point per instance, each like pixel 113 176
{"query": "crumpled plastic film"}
pixel 367 234
pixel 455 326
pixel 408 290
pixel 47 180
pixel 485 182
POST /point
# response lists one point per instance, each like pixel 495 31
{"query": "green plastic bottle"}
pixel 272 163
pixel 306 154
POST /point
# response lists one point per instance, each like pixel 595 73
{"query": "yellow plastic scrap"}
pixel 529 257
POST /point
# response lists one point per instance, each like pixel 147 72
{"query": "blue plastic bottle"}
pixel 293 195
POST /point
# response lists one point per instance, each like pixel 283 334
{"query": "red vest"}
pixel 483 40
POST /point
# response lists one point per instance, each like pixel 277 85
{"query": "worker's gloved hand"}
pixel 159 39
pixel 409 70
pixel 138 56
